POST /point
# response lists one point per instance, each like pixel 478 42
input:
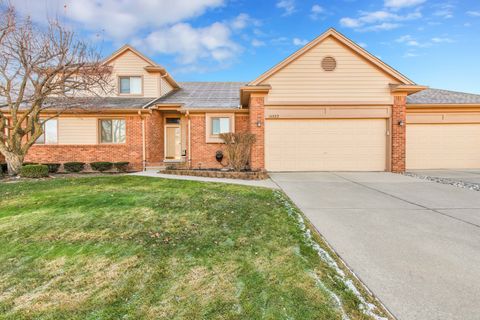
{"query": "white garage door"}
pixel 326 145
pixel 443 146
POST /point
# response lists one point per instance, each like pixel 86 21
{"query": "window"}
pixel 216 124
pixel 131 85
pixel 172 120
pixel 112 131
pixel 50 132
pixel 220 125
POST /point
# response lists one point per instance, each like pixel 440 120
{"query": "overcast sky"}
pixel 435 43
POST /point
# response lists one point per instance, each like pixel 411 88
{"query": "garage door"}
pixel 325 145
pixel 443 146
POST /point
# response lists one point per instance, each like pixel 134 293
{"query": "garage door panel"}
pixel 443 146
pixel 326 145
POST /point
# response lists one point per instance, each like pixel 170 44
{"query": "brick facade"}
pixel 130 151
pixel 154 137
pixel 399 134
pixel 203 153
pixel 257 127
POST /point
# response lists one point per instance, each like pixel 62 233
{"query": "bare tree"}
pixel 44 71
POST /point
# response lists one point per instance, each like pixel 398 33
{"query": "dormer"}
pixel 135 75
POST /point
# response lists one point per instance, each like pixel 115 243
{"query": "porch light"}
pixel 401 123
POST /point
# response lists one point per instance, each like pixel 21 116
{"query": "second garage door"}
pixel 443 146
pixel 326 145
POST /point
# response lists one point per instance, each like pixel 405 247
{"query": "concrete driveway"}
pixel 414 243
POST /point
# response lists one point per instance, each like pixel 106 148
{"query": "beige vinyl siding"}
pixel 77 131
pixel 354 80
pixel 326 145
pixel 165 86
pixel 443 146
pixel 130 64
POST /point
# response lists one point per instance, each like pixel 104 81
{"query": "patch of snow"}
pixel 366 307
pixel 456 183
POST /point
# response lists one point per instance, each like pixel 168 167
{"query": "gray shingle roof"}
pixel 94 103
pixel 438 96
pixel 205 95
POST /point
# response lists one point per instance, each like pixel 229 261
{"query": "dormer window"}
pixel 130 85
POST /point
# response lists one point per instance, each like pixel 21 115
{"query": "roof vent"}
pixel 329 64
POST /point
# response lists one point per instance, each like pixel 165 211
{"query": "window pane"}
pixel 124 85
pixel 135 85
pixel 106 131
pixel 224 125
pixel 118 131
pixel 41 139
pixel 173 120
pixel 215 125
pixel 51 136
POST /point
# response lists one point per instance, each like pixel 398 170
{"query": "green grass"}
pixel 144 248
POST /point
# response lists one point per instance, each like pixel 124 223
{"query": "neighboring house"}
pixel 329 106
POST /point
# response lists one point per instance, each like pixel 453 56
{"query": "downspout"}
pixel 189 154
pixel 144 149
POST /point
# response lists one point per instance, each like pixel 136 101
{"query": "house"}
pixel 329 106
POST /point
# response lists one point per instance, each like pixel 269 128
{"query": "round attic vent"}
pixel 329 64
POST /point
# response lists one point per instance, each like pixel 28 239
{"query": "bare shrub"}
pixel 238 147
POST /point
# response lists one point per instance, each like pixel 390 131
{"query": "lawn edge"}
pixel 320 239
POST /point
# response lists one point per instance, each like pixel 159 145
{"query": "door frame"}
pixel 171 125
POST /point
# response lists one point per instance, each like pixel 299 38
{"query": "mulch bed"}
pixel 245 175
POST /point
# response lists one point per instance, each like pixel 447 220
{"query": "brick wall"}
pixel 154 132
pixel 257 114
pixel 398 133
pixel 130 151
pixel 203 153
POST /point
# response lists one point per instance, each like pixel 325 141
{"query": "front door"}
pixel 173 143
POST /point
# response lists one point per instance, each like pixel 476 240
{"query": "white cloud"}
pixel 444 10
pixel 378 20
pixel 242 21
pixel 190 44
pixel 412 42
pixel 299 42
pixel 398 4
pixel 118 19
pixel 442 40
pixel 410 55
pixel 381 27
pixel 288 6
pixel 362 44
pixel 257 43
pixel 474 13
pixel 316 11
pixel 154 26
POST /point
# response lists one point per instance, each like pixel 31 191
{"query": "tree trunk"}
pixel 14 162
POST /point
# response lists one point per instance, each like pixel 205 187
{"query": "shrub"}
pixel 121 166
pixel 74 166
pixel 238 146
pixel 52 167
pixel 101 166
pixel 34 171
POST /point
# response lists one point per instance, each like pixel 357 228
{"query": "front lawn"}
pixel 145 248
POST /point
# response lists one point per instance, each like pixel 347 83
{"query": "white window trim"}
pixel 212 138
